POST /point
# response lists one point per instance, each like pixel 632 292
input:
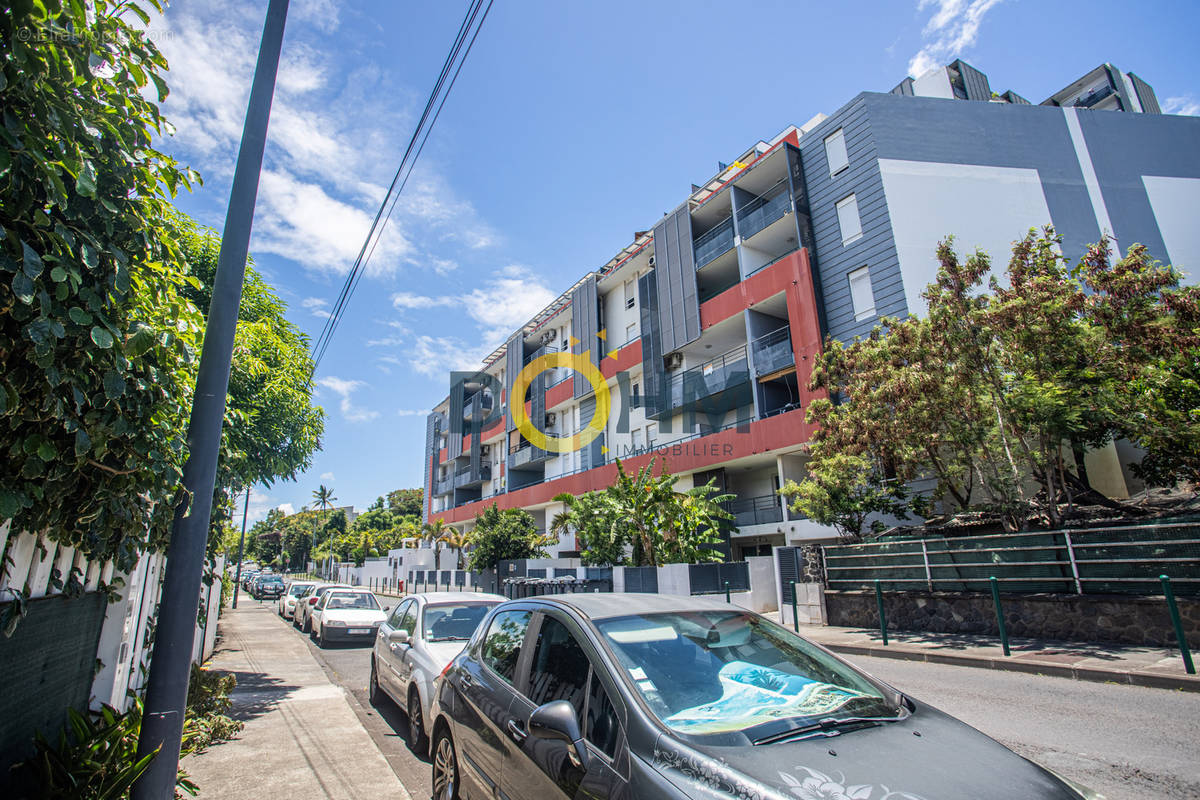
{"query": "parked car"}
pixel 267 586
pixel 247 577
pixel 286 603
pixel 302 617
pixel 420 637
pixel 346 615
pixel 662 696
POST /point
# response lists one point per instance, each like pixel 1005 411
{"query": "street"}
pixel 1127 742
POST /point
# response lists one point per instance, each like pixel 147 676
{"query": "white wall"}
pixel 984 207
pixel 1174 202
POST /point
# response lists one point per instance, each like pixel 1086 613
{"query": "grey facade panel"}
pixel 514 356
pixel 592 454
pixel 1015 98
pixel 974 81
pixel 585 325
pixel 432 423
pixel 1145 95
pixel 454 444
pixel 675 272
pixel 1124 147
pixel 904 88
pixel 1114 77
pixel 653 375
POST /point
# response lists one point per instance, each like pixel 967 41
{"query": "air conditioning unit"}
pixel 675 361
pixel 551 418
pixel 549 336
pixel 485 450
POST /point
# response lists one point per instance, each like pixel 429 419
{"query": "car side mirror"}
pixel 556 720
pixel 398 636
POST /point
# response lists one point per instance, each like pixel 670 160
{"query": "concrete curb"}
pixel 1134 678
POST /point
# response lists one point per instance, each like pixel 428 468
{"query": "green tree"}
pixel 406 502
pixel 503 535
pixel 845 491
pixel 96 337
pixel 435 533
pixel 602 533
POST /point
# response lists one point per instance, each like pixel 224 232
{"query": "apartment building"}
pixel 694 344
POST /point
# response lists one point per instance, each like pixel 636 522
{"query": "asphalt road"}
pixel 350 666
pixel 1127 742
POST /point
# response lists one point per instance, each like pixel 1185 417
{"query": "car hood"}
pixel 353 616
pixel 929 756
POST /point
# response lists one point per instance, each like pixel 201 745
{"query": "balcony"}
pixel 463 477
pixel 720 383
pixel 713 242
pixel 755 510
pixel 443 485
pixel 1094 97
pixel 773 351
pixel 483 402
pixel 763 210
pixel 527 455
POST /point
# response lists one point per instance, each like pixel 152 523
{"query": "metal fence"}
pixel 712 578
pixel 641 579
pixel 1113 560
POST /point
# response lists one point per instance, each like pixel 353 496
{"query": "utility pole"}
pixel 170 666
pixel 237 581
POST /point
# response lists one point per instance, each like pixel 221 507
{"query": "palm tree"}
pixel 435 533
pixel 324 498
pixel 601 530
pixel 456 540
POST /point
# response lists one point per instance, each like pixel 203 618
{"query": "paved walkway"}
pixel 1141 666
pixel 302 737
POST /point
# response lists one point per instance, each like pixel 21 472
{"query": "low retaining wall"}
pixel 1069 618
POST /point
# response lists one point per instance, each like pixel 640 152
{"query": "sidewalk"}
pixel 1107 663
pixel 302 738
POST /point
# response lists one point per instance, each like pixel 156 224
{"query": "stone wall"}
pixel 812 563
pixel 1069 618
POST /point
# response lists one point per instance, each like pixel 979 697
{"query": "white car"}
pixel 302 616
pixel 346 615
pixel 286 604
pixel 419 638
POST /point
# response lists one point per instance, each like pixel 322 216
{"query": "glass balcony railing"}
pixel 527 454
pixel 760 510
pixel 773 351
pixel 1094 97
pixel 444 485
pixel 763 210
pixel 713 242
pixel 465 478
pixel 721 374
pixel 483 401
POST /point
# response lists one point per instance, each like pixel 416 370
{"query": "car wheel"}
pixel 445 768
pixel 418 742
pixel 374 693
pixel 321 640
pixel 307 625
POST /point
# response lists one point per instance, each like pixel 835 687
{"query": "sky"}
pixel 572 125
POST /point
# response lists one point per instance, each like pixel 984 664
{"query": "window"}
pixel 502 646
pixel 408 622
pixel 601 728
pixel 862 296
pixel 848 221
pixel 651 434
pixel 636 396
pixel 454 622
pixel 560 668
pixel 630 294
pixel 630 332
pixel 835 152
pixel 636 439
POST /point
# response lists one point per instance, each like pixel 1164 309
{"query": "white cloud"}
pixel 326 476
pixel 317 305
pixel 287 508
pixel 406 300
pixel 260 503
pixel 1186 105
pixel 412 412
pixel 437 355
pixel 345 389
pixel 953 28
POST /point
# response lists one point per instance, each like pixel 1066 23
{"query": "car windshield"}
pixel 352 600
pixel 449 622
pixel 706 672
pixel 296 591
pixel 272 579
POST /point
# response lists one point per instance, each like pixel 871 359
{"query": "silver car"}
pixel 422 635
pixel 286 605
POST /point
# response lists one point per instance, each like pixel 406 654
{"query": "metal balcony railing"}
pixel 444 485
pixel 483 401
pixel 713 242
pixel 716 375
pixel 773 351
pixel 763 210
pixel 1095 96
pixel 527 454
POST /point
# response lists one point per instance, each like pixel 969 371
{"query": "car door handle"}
pixel 515 731
pixel 467 680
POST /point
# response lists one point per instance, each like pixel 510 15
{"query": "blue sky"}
pixel 572 125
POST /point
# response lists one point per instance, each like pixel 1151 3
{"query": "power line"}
pixel 437 97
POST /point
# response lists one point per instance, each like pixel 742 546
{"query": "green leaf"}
pixel 85 183
pixel 114 384
pixel 10 503
pixel 58 274
pixel 90 258
pixel 83 444
pixel 31 261
pixel 141 341
pixel 102 338
pixel 46 451
pixel 79 316
pixel 23 288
